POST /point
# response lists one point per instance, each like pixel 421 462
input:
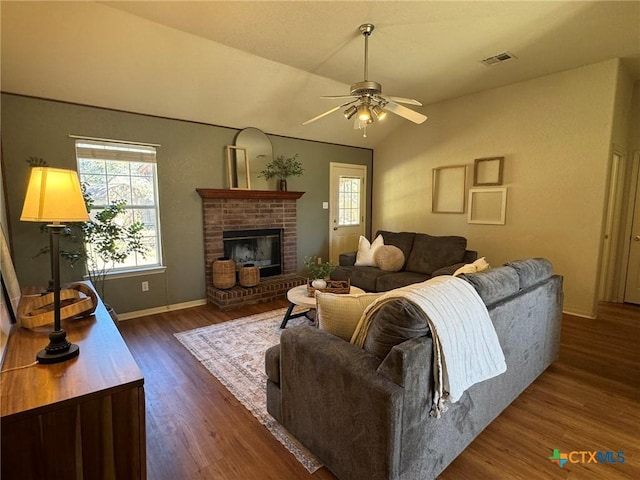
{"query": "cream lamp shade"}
pixel 54 195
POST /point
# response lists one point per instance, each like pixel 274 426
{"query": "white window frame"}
pixel 114 150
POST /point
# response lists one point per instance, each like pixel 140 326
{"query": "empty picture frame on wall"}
pixel 487 206
pixel 487 171
pixel 448 189
pixel 238 168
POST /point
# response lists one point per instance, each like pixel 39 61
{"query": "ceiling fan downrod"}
pixel 366 29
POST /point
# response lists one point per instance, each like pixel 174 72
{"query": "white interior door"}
pixel 632 288
pixel 347 207
pixel 611 229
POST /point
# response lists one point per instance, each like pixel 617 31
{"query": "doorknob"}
pixel 635 239
pixel 335 228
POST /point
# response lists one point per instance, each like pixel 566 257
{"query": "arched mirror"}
pixel 259 152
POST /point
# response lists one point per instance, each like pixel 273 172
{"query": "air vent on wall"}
pixel 499 58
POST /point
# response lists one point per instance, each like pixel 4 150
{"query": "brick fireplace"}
pixel 236 210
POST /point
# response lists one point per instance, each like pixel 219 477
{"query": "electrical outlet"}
pixel 145 286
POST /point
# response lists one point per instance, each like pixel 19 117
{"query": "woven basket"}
pixel 224 273
pixel 333 286
pixel 249 275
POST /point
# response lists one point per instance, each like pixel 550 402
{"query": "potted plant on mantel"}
pixel 283 168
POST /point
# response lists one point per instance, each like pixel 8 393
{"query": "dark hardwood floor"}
pixel 589 400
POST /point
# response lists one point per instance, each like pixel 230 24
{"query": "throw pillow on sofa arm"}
pixel 478 266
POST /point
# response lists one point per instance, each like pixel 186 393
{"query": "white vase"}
pixel 319 283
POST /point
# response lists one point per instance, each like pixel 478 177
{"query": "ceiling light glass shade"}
pixel 54 195
pixel 379 112
pixel 350 112
pixel 364 113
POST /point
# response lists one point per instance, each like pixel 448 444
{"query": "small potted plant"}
pixel 318 272
pixel 282 168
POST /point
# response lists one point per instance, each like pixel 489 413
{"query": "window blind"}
pixel 115 151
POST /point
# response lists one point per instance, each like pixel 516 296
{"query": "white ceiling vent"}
pixel 499 58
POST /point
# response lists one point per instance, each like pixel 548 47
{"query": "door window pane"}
pixel 349 201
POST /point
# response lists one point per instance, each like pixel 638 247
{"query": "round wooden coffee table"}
pixel 298 296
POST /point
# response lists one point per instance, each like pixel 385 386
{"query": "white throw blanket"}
pixel 466 349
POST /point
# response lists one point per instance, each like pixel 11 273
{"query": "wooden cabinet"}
pixel 80 419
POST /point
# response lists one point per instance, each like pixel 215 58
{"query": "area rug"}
pixel 233 352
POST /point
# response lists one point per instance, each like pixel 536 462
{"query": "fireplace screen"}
pixel 259 247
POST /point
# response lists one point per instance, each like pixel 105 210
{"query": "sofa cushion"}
pixel 272 363
pixel 387 282
pixel 395 322
pixel 339 314
pixel 389 258
pixel 367 250
pixel 362 277
pixel 431 253
pixel 402 240
pixel 532 270
pixel 494 284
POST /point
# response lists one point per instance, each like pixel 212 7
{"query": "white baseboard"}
pixel 579 314
pixel 163 309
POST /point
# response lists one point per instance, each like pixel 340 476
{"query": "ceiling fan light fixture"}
pixel 379 112
pixel 350 112
pixel 364 114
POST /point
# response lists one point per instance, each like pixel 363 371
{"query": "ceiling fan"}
pixel 366 101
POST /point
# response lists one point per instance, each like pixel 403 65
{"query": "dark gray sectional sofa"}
pixel 425 256
pixel 367 417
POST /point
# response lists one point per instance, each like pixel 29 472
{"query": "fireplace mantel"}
pixel 250 194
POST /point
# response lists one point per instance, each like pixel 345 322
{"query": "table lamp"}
pixel 54 196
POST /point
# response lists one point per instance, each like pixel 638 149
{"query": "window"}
pixel 114 172
pixel 349 201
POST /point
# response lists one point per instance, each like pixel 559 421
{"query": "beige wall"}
pixel 555 134
pixel 92 54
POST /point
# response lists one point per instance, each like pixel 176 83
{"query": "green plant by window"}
pixel 101 243
pixel 282 168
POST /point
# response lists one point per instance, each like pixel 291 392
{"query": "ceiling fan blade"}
pixel 405 112
pixel 333 97
pixel 328 112
pixel 408 101
pixel 318 117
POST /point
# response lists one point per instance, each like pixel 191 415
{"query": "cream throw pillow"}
pixel 339 314
pixel 366 251
pixel 477 266
pixel 389 258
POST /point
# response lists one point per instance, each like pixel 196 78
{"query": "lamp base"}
pixel 58 350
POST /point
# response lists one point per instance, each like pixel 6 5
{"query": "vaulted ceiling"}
pixel 428 50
